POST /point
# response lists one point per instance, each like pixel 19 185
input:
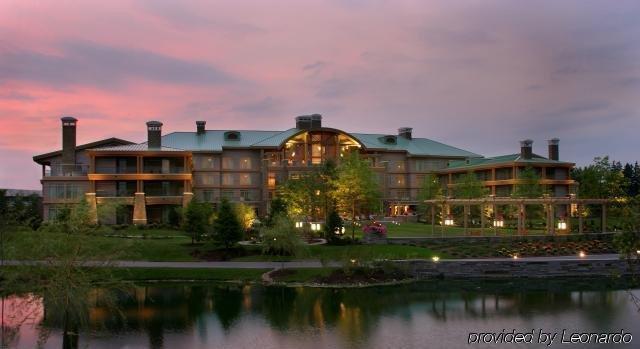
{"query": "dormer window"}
pixel 390 139
pixel 232 136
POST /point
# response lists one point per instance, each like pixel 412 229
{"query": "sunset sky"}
pixel 479 75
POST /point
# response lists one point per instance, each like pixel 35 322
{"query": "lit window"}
pixel 245 163
pixel 245 179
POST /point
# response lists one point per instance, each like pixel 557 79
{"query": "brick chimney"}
pixel 69 141
pixel 554 151
pixel 154 134
pixel 525 149
pixel 405 132
pixel 200 127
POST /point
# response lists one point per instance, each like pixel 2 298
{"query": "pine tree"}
pixel 227 228
pixel 196 220
pixel 333 225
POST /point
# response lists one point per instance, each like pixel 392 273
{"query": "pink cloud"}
pixel 478 75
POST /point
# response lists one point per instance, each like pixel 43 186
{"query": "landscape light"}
pixel 435 258
pixel 353 261
pixel 515 256
pixel 448 221
pixel 562 225
pixel 638 252
pixel 582 254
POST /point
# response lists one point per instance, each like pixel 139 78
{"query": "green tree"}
pixel 73 219
pixel 355 188
pixel 304 195
pixel 529 184
pixel 631 174
pixel 332 225
pixel 600 180
pixel 196 219
pixel 246 215
pixel 430 189
pixel 227 228
pixel 529 187
pixel 278 207
pixel 469 187
pixel 20 210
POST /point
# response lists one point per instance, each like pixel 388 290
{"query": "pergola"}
pixel 549 202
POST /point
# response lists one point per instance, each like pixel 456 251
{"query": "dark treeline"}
pixel 607 179
pixel 21 210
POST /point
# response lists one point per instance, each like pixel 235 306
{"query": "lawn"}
pixel 20 243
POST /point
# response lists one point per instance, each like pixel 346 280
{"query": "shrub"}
pixel 375 229
pixel 627 243
pixel 282 239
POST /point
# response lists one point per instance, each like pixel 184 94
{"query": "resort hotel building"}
pixel 147 180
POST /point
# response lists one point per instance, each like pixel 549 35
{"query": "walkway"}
pixel 316 263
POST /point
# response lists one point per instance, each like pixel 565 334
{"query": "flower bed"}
pixel 374 232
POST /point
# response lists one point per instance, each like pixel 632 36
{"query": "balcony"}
pixel 163 188
pixel 115 170
pixel 163 166
pixel 63 170
pixel 115 189
pixel 115 165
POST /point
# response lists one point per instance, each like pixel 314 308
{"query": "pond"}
pixel 435 314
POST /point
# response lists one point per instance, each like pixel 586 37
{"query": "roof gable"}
pixel 107 142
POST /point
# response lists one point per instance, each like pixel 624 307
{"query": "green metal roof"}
pixel 503 159
pixel 214 140
pixel 414 146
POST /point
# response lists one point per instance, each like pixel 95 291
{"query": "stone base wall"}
pixel 518 269
pixel 489 239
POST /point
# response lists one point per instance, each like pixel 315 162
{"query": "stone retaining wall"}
pixel 487 239
pixel 517 269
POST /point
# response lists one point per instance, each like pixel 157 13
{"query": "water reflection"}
pixel 213 315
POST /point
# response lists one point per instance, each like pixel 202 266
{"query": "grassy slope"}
pixel 18 245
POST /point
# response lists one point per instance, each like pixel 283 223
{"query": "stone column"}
pixel 139 209
pixel 186 198
pixel 93 207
